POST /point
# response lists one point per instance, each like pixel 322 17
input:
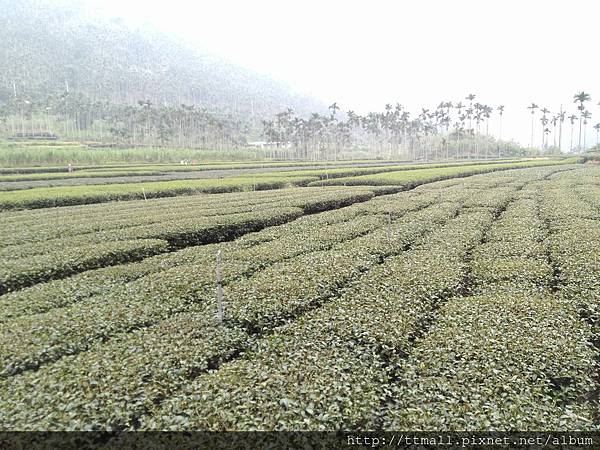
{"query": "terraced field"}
pixel 472 302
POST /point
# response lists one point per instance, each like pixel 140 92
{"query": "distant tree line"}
pixel 452 130
pixel 551 122
pixel 458 130
pixel 76 117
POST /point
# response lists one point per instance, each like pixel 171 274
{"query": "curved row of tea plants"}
pixel 322 169
pixel 22 272
pixel 512 356
pixel 198 166
pixel 410 179
pixel 63 196
pixel 77 195
pixel 209 204
pixel 329 370
pixel 33 226
pixel 39 338
pixel 383 311
pixel 500 362
pixel 574 221
pixel 255 250
pixel 148 354
pixel 118 402
pixel 56 258
pixel 102 177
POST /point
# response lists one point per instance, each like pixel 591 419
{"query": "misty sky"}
pixel 365 54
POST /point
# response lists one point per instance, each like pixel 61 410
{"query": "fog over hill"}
pixel 51 47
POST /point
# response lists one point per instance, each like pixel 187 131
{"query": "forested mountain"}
pixel 49 48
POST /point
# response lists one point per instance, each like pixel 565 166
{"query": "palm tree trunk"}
pixel 579 144
pixel 543 137
pixel 531 141
pixel 560 136
pixel 561 118
pixel 500 134
pixel 571 146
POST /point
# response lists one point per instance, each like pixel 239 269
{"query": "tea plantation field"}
pixel 454 297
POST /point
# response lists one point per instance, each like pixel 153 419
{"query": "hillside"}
pixel 49 48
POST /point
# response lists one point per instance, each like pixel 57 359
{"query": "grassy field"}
pixel 63 153
pixel 469 300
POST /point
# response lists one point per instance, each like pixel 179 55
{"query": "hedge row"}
pixel 573 216
pixel 43 297
pixel 171 173
pixel 115 401
pixel 32 225
pixel 513 356
pixel 274 295
pixel 56 258
pixel 255 250
pixel 574 220
pixel 74 195
pixel 242 254
pixel 497 362
pixel 108 386
pixel 201 166
pixel 133 244
pixel 347 316
pixel 515 254
pixel 45 337
pixel 77 195
pixel 327 370
pixel 414 178
pixel 157 222
pixel 19 273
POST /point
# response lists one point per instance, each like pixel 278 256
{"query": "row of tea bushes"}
pixel 279 292
pixel 110 385
pixel 575 224
pixel 345 328
pixel 255 250
pixel 512 356
pixel 38 339
pixel 572 214
pixel 28 264
pixel 43 297
pixel 169 173
pixel 327 370
pixel 116 396
pixel 37 226
pixel 133 245
pixel 77 195
pixel 409 179
pixel 200 166
pixel 18 273
pixel 515 253
pixel 497 362
pixel 378 314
